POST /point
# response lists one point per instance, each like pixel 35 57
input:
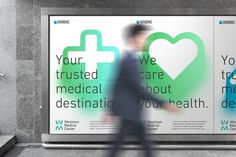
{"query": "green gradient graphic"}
pixel 190 79
pixel 106 72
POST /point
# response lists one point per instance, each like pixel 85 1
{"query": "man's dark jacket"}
pixel 128 90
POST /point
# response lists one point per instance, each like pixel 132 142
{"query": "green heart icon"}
pixel 188 81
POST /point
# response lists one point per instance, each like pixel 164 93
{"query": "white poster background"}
pixel 203 27
pixel 224 45
pixel 62 35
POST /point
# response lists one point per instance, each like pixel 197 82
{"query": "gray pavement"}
pixel 38 151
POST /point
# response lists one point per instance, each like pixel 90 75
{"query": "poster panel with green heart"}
pixel 176 65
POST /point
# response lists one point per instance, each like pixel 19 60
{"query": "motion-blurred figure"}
pixel 127 91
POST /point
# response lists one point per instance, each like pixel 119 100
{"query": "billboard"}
pixel 188 60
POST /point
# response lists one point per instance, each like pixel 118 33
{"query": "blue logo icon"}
pixel 230 97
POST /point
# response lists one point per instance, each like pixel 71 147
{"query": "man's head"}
pixel 136 34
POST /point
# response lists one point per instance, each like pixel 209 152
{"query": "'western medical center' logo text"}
pixel 228 125
pixel 65 125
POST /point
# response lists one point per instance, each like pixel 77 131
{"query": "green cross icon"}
pixel 102 59
pixel 92 55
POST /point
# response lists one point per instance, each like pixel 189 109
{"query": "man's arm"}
pixel 132 77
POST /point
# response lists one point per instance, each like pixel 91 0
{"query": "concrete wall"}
pixel 20 91
pixel 8 66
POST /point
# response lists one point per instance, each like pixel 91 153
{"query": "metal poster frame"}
pixel 96 138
